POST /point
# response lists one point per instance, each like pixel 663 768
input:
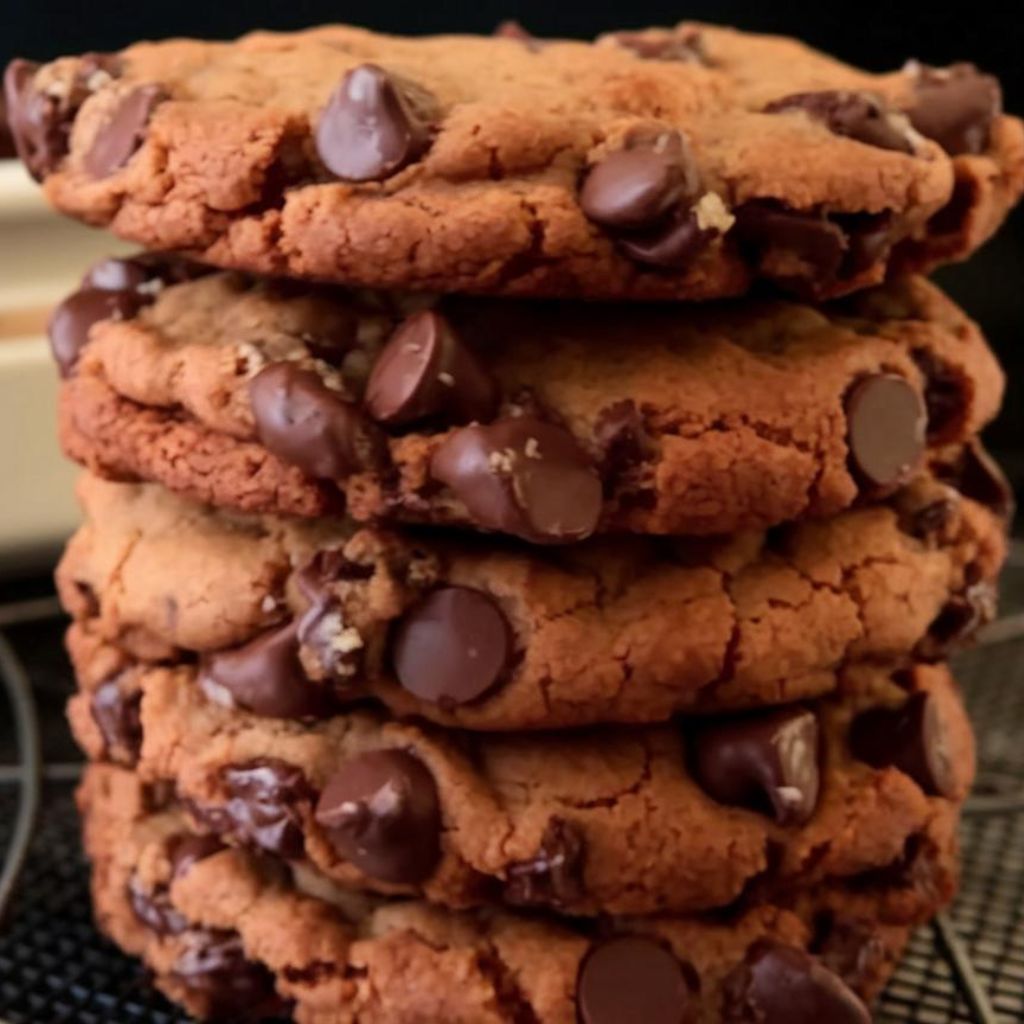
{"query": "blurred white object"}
pixel 41 259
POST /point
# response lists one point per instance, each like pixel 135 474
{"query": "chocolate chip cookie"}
pixel 548 423
pixel 679 818
pixel 221 928
pixel 679 163
pixel 299 619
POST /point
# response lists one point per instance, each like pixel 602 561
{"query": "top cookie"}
pixel 674 163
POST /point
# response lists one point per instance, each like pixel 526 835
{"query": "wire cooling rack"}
pixel 55 968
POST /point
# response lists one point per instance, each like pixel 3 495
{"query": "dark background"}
pixel 876 35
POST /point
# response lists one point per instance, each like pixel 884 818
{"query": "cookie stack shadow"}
pixel 449 653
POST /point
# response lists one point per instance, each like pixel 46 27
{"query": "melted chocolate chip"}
pixel 855 115
pixel 683 44
pixel 886 427
pixel 955 107
pixel 553 877
pixel 452 647
pixel 154 909
pixel 214 967
pixel 778 984
pixel 184 851
pixel 307 424
pixel 41 121
pixel 381 812
pixel 804 246
pixel 621 434
pixel 633 978
pixel 369 130
pixel 959 620
pixel 72 320
pixel 946 396
pixel 426 372
pixel 769 761
pixel 522 476
pixel 138 273
pixel 123 131
pixel 925 508
pixel 265 677
pixel 977 476
pixel 118 716
pixel 912 738
pixel 262 806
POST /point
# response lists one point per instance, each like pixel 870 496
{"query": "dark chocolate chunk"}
pixel 946 396
pixel 779 984
pixel 856 115
pixel 955 106
pixel 154 909
pixel 381 812
pixel 522 476
pixel 265 677
pixel 977 476
pixel 633 978
pixel 912 738
pixel 72 320
pixel 185 850
pixel 452 647
pixel 959 620
pixel 118 716
pixel 426 372
pixel 768 761
pixel 886 427
pixel 369 130
pixel 553 877
pixel 307 424
pixel 123 132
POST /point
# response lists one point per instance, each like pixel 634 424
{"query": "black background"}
pixel 875 35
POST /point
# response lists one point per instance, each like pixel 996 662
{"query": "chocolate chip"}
pixel 855 115
pixel 41 121
pixel 214 967
pixel 851 948
pixel 779 984
pixel 959 620
pixel 154 909
pixel 553 877
pixel 768 761
pixel 925 508
pixel 116 275
pixel 118 717
pixel 522 476
pixel 912 738
pixel 427 372
pixel 140 272
pixel 337 650
pixel 369 130
pixel 621 433
pixel 955 106
pixel 977 476
pixel 381 812
pixel 670 246
pixel 946 396
pixel 265 677
pixel 261 810
pixel 886 427
pixel 185 850
pixel 682 44
pixel 633 978
pixel 72 320
pixel 123 131
pixel 792 245
pixel 307 424
pixel 452 647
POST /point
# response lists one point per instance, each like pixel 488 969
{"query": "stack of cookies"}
pixel 470 625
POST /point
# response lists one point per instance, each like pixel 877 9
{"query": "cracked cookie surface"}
pixel 546 422
pixel 613 630
pixel 503 166
pixel 690 816
pixel 214 922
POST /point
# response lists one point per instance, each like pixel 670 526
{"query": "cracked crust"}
pixel 652 841
pixel 344 959
pixel 627 630
pixel 699 421
pixel 228 167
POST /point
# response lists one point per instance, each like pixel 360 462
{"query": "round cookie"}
pixel 296 619
pixel 548 423
pixel 212 923
pixel 679 163
pixel 681 818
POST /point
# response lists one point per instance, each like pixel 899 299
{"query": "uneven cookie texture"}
pixel 220 927
pixel 294 619
pixel 546 422
pixel 674 163
pixel 686 817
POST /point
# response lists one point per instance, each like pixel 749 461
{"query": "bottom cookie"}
pixel 230 934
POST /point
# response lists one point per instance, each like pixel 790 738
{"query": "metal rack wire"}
pixel 56 969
